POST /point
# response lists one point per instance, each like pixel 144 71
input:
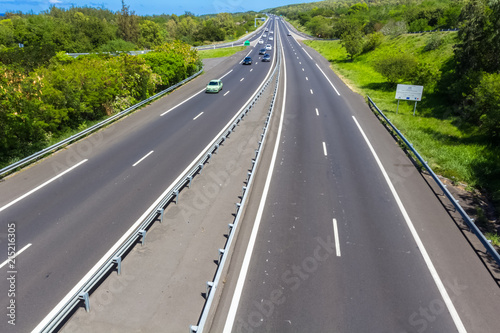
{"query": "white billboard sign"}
pixel 409 92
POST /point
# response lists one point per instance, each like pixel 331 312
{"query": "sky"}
pixel 150 7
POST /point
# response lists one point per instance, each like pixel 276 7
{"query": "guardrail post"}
pixel 176 193
pixel 193 329
pixel 190 181
pixel 230 227
pixel 143 236
pixel 221 253
pixel 85 298
pixel 160 211
pixel 210 284
pixel 118 262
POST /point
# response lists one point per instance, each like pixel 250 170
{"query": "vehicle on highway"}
pixel 271 32
pixel 264 35
pixel 270 37
pixel 289 33
pixel 214 86
pixel 247 61
pixel 267 29
pixel 266 57
pixel 261 41
pixel 268 47
pixel 262 51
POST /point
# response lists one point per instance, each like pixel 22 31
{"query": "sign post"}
pixel 409 93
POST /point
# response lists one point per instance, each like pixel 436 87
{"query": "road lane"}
pixel 73 221
pixel 381 277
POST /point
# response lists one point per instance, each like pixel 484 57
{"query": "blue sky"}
pixel 149 7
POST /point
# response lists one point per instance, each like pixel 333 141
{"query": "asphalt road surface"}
pixel 68 210
pixel 343 237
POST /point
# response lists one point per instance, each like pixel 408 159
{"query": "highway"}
pixel 69 209
pixel 342 235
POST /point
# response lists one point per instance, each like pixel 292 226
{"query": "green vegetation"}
pixel 493 237
pixel 67 94
pixel 327 18
pixel 45 94
pixel 218 53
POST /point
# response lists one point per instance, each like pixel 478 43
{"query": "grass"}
pixel 494 238
pixel 219 53
pixel 452 151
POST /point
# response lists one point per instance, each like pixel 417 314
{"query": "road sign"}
pixel 409 92
pixel 247 43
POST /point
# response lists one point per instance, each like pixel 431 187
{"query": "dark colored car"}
pixel 247 61
pixel 266 57
pixel 262 51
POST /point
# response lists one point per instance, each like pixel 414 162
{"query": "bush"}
pixel 419 25
pixel 433 43
pixel 397 68
pixel 373 41
pixel 487 105
pixel 426 74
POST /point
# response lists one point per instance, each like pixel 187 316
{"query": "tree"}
pixel 128 24
pixel 352 39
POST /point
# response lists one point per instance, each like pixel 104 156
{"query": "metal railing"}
pixel 89 130
pixel 114 256
pixel 470 222
pixel 239 42
pixel 223 253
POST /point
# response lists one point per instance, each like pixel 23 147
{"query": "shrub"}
pixel 433 43
pixel 487 105
pixel 426 74
pixel 397 68
pixel 373 41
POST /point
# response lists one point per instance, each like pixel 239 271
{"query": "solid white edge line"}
pixel 449 304
pixel 15 255
pixel 336 236
pixel 324 149
pixel 184 101
pixel 231 316
pixel 307 53
pixel 108 254
pixel 199 114
pixel 328 80
pixel 139 161
pixel 42 185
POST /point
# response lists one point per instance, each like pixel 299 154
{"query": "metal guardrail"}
pixel 239 42
pixel 212 285
pixel 133 53
pixel 470 222
pixel 81 293
pixel 91 129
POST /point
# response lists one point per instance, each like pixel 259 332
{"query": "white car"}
pixel 271 32
pixel 268 47
pixel 264 35
pixel 270 37
pixel 261 41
